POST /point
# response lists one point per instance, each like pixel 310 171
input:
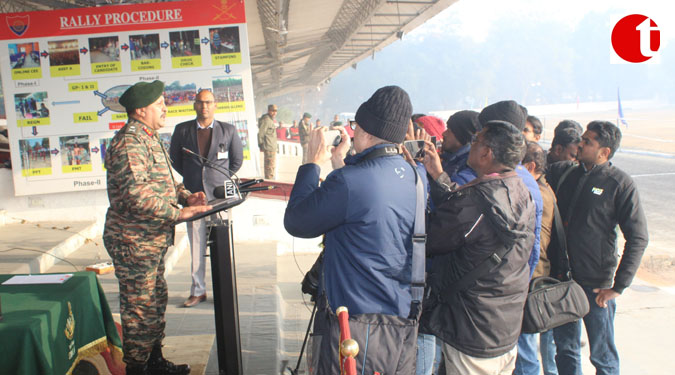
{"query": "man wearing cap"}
pixel 305 127
pixel 219 143
pixel 366 209
pixel 267 140
pixel 456 145
pixel 515 114
pixel 144 207
pixel 479 241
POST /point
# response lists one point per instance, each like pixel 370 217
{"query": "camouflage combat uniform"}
pixel 304 131
pixel 267 141
pixel 139 227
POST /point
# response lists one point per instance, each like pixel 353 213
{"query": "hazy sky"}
pixel 473 18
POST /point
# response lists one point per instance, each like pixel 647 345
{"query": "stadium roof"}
pixel 298 45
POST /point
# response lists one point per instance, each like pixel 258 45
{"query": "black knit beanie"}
pixel 463 125
pixel 386 114
pixel 507 110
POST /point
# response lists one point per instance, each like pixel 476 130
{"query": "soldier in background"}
pixel 267 140
pixel 144 207
pixel 305 128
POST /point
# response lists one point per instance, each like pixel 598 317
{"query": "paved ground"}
pixel 274 314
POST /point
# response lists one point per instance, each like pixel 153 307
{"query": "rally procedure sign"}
pixel 63 72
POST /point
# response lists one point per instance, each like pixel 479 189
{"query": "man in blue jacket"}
pixel 366 209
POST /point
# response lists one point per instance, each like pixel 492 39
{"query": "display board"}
pixel 63 72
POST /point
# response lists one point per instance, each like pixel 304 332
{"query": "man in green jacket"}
pixel 267 140
pixel 305 128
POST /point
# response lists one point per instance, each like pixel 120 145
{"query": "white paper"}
pixel 38 279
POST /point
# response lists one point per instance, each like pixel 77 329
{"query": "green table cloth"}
pixel 49 328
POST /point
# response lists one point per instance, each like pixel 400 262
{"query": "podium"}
pixel 224 280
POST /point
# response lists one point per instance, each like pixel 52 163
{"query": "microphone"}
pixel 257 188
pixel 225 171
pixel 219 191
pixel 251 182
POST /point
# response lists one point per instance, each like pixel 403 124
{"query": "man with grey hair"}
pixel 479 239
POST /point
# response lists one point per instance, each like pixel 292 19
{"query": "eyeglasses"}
pixel 352 124
pixel 204 102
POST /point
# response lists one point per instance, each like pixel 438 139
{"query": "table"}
pixel 49 328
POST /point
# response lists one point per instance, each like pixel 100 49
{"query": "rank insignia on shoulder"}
pixel 148 132
pixel 132 128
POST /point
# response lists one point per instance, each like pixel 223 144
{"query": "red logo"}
pixel 636 38
pixel 18 24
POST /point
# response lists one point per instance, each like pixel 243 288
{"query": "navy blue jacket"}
pixel 225 150
pixel 367 211
pixel 454 164
pixel 535 193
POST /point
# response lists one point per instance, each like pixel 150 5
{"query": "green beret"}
pixel 142 94
pixel 306 114
pixel 337 123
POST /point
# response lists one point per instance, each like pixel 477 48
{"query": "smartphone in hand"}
pixel 415 148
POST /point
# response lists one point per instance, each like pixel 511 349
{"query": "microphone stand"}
pixel 226 172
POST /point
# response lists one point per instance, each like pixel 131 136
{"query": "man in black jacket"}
pixel 480 239
pixel 218 142
pixel 593 197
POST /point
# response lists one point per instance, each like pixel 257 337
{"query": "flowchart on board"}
pixel 65 93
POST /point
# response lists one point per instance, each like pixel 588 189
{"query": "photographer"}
pixel 366 209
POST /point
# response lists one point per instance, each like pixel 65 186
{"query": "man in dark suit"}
pixel 218 142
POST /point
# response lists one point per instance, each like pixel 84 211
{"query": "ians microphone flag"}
pixel 621 118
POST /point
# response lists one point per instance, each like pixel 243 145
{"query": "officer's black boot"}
pixel 158 365
pixel 137 369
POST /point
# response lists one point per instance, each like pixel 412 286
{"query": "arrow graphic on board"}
pixel 44 54
pixel 94 150
pixel 98 93
pixel 104 110
pixel 227 68
pixel 55 151
pixel 66 102
pixel 34 132
pixel 124 47
pixel 84 50
pixel 164 45
pixel 205 40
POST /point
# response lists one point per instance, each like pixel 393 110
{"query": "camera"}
pixel 332 137
pixel 310 283
pixel 415 148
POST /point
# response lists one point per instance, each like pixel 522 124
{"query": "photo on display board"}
pixel 184 43
pixel 111 98
pixel 176 94
pixel 31 106
pixel 35 156
pixel 104 143
pixel 224 40
pixel 75 154
pixel 104 49
pixel 24 55
pixel 144 47
pixel 228 89
pixel 64 52
pixel 166 140
pixel 242 130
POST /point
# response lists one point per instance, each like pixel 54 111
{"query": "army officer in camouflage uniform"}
pixel 144 207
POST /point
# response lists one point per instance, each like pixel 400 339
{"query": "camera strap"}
pixel 388 150
pixel 419 250
pixel 419 238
